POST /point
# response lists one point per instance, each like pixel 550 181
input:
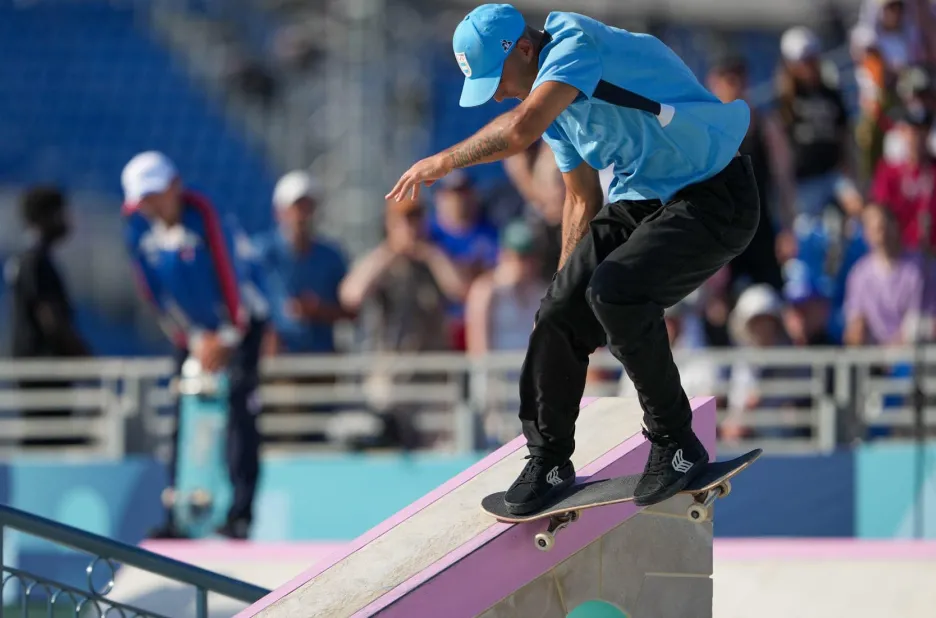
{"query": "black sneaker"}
pixel 541 481
pixel 674 461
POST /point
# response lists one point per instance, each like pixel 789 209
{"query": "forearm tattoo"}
pixel 475 150
pixel 571 235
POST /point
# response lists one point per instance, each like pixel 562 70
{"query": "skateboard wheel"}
pixel 574 516
pixel 698 513
pixel 544 541
pixel 725 489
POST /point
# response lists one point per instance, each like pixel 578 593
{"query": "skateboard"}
pixel 202 492
pixel 713 483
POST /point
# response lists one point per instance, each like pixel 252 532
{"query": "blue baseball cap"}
pixel 481 43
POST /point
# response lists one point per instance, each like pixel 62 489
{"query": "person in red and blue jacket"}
pixel 202 278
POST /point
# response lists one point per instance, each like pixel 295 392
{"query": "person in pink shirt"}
pixel 905 179
pixel 884 289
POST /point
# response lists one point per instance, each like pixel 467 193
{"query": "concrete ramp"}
pixel 442 556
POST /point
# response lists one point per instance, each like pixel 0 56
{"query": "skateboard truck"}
pixel 545 540
pixel 701 509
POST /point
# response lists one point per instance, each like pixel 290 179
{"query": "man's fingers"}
pixel 395 191
pixel 399 190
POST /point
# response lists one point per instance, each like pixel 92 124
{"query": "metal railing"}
pixel 808 399
pixel 105 557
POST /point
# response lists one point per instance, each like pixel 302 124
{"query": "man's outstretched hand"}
pixel 424 172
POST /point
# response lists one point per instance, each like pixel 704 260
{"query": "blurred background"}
pixel 816 341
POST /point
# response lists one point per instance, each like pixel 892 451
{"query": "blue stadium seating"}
pixel 85 88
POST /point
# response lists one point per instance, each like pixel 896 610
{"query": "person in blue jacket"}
pixel 202 278
pixel 682 203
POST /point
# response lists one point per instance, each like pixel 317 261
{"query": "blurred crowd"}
pixel 840 257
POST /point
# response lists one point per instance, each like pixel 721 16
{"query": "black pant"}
pixel 243 434
pixel 637 259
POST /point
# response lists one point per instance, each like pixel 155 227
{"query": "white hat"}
pixel 294 186
pixel 760 299
pixel 799 43
pixel 863 38
pixel 148 172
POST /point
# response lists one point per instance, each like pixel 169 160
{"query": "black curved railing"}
pixel 62 600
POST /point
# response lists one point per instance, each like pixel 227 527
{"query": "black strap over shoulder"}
pixel 606 91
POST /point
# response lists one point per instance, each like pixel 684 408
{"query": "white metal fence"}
pixel 119 406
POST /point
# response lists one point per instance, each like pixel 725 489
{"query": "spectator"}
pixel 458 227
pixel 757 322
pixel 885 289
pixel 409 279
pixel 904 180
pixel 304 271
pixel 42 319
pixel 808 310
pixel 890 44
pixel 896 29
pixel 815 122
pixel 502 304
pixel 876 100
pixel 764 143
pixel 402 288
pixel 205 286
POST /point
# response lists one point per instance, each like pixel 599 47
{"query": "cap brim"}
pixel 479 90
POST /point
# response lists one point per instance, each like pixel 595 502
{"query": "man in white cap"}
pixel 682 203
pixel 209 295
pixel 303 271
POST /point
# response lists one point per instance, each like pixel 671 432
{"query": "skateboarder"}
pixel 683 203
pixel 211 301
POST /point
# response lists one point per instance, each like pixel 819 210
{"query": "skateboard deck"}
pixel 713 483
pixel 202 493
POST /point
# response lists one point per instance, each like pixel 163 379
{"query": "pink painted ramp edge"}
pixel 388 524
pixel 511 561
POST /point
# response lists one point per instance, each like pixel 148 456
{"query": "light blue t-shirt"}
pixel 691 137
pixel 290 275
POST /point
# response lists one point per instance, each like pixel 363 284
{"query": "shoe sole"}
pixel 525 508
pixel 671 490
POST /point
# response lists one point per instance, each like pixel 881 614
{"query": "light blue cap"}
pixel 481 43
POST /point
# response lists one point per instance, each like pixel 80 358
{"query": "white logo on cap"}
pixel 463 63
pixel 506 45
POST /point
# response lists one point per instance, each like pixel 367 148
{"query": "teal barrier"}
pixel 888 495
